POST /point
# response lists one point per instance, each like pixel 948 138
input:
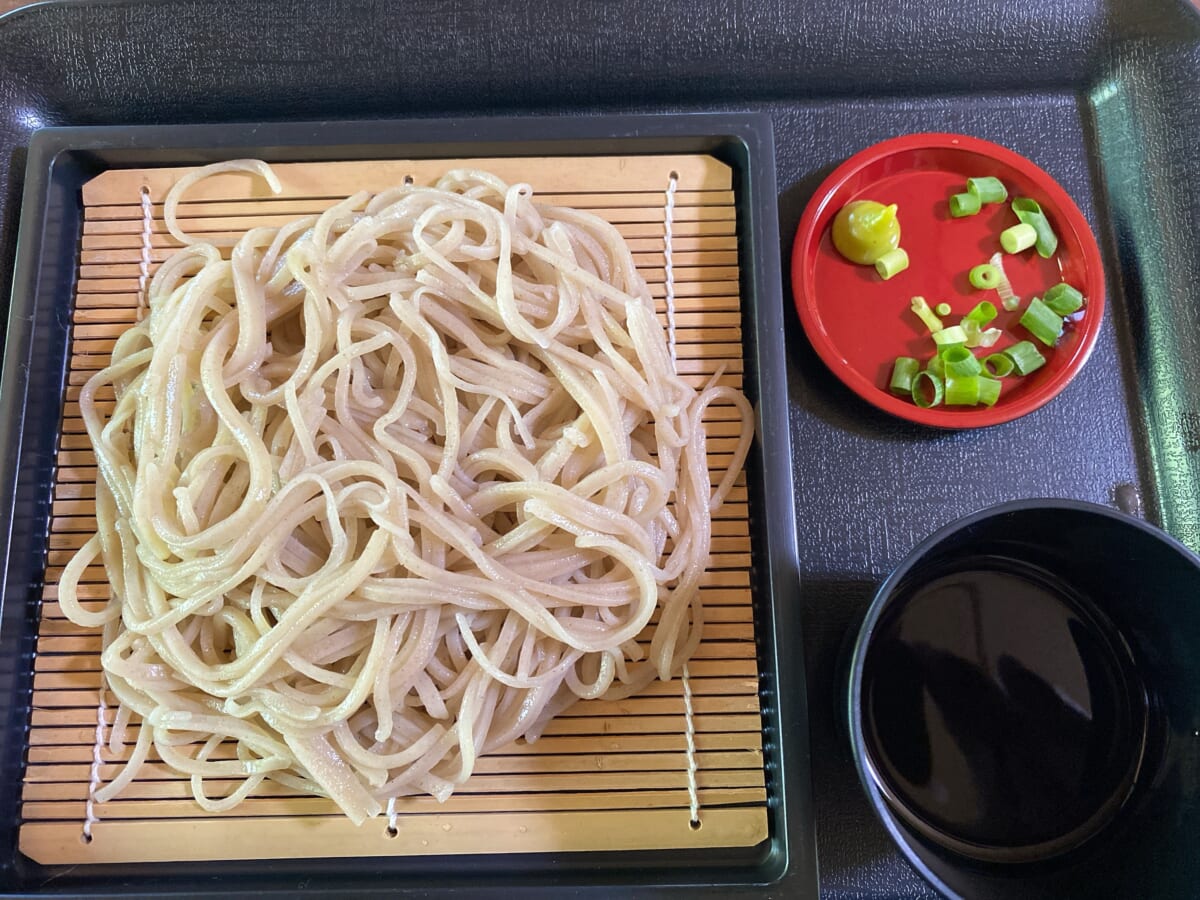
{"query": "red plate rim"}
pixel 804 294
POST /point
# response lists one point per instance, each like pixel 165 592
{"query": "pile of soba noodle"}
pixel 389 488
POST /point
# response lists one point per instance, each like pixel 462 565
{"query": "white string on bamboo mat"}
pixel 392 816
pixel 144 261
pixel 690 735
pixel 89 815
pixel 89 812
pixel 669 279
pixel 669 261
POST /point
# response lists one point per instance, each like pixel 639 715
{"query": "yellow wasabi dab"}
pixel 864 230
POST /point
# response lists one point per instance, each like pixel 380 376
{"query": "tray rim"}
pixel 789 857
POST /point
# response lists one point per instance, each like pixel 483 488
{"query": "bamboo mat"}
pixel 606 775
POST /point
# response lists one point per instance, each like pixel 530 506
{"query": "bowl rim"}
pixel 901 837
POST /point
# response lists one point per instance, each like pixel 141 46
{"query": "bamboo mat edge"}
pixel 342 179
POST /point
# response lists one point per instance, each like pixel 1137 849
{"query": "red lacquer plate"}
pixel 858 323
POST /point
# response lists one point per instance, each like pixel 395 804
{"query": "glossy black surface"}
pixel 1119 599
pixel 1100 93
pixel 1002 714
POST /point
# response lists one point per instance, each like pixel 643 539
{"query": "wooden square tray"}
pixel 606 775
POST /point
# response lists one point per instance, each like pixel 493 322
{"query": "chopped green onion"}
pixel 984 277
pixel 964 205
pixel 989 391
pixel 921 308
pixel 971 328
pixel 1063 299
pixel 989 337
pixel 960 362
pixel 998 365
pixel 962 391
pixel 1025 357
pixel 953 336
pixel 927 380
pixel 937 366
pixel 1004 291
pixel 983 312
pixel 1018 238
pixel 891 263
pixel 942 309
pixel 903 373
pixel 988 189
pixel 1043 323
pixel 1030 213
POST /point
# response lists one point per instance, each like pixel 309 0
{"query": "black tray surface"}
pixel 1100 93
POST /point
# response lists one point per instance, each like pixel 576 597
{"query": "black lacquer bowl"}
pixel 1024 705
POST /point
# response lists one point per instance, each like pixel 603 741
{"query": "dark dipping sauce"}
pixel 1002 713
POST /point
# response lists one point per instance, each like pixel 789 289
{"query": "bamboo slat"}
pixel 606 775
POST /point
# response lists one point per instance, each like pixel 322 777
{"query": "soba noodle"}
pixel 389 488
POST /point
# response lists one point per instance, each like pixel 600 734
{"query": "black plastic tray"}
pixel 1100 93
pixel 62 159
